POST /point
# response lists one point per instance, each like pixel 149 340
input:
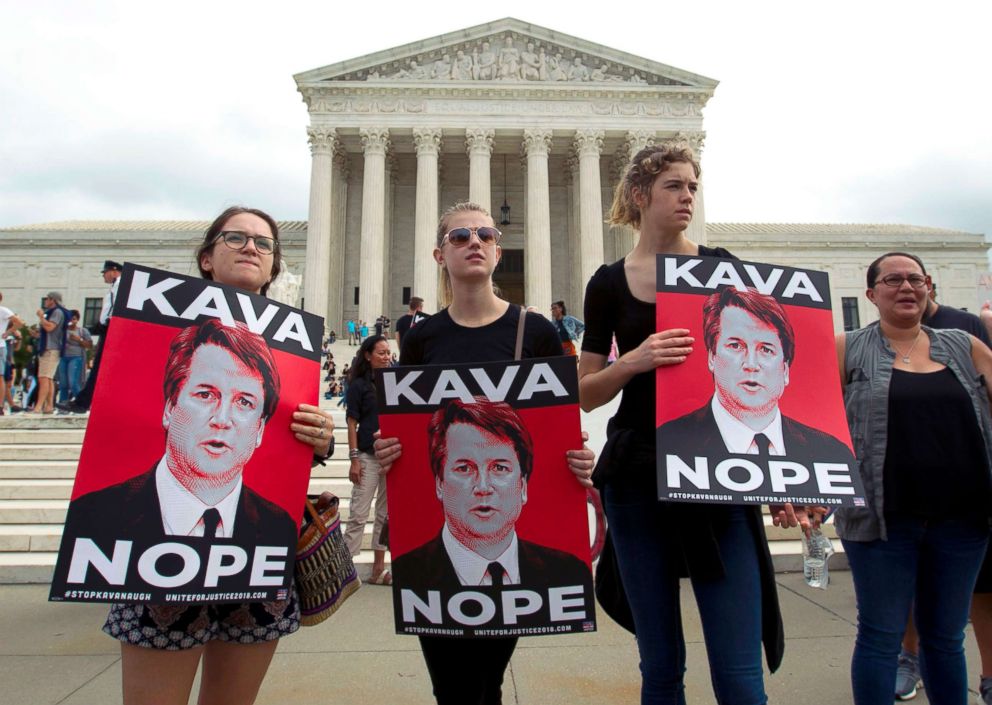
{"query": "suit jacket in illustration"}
pixel 131 510
pixel 697 433
pixel 428 567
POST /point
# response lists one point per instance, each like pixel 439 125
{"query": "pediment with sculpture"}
pixel 511 59
pixel 506 51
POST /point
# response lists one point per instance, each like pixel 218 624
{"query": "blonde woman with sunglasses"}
pixel 476 326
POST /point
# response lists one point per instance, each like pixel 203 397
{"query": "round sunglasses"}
pixel 459 237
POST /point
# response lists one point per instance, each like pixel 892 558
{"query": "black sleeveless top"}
pixel 935 464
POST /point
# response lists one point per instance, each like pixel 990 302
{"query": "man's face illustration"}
pixel 481 489
pixel 215 423
pixel 748 366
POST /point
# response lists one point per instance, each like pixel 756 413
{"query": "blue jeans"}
pixel 70 377
pixel 729 608
pixel 935 562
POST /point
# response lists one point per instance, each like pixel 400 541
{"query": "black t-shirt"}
pixel 938 469
pixel 439 340
pixel 611 309
pixel 406 322
pixel 362 407
pixel 950 317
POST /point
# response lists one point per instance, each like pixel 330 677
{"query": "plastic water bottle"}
pixel 817 550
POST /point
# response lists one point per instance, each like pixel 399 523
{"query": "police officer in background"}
pixel 111 273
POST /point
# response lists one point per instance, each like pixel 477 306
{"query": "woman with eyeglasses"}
pixel 918 404
pixel 475 326
pixel 162 645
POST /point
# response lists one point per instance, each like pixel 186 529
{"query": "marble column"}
pixel 697 228
pixel 339 197
pixel 388 300
pixel 537 249
pixel 428 144
pixel 479 145
pixel 588 145
pixel 316 274
pixel 626 236
pixel 574 233
pixel 375 142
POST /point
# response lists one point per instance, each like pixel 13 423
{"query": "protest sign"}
pixel 489 530
pixel 190 485
pixel 755 414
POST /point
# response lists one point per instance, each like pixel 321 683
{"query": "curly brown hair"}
pixel 643 169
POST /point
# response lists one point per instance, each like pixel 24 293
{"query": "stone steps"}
pixel 48 451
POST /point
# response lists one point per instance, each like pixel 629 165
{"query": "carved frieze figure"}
pixel 415 72
pixel 442 68
pixel 578 71
pixel 486 64
pixel 543 70
pixel 461 70
pixel 531 64
pixel 598 74
pixel 509 60
pixel 556 68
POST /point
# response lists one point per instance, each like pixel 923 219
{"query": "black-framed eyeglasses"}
pixel 459 237
pixel 917 281
pixel 236 240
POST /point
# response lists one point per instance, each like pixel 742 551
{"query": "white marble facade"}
pixel 502 111
pixel 67 257
pixel 505 111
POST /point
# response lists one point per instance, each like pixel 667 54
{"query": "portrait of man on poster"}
pixel 750 347
pixel 482 457
pixel 221 387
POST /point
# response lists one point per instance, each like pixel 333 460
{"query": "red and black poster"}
pixel 755 414
pixel 489 530
pixel 190 485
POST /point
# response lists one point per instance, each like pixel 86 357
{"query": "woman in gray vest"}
pixel 918 406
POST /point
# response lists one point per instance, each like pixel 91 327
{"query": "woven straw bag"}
pixel 325 573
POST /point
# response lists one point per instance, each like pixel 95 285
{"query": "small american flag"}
pixel 859 502
pixel 282 594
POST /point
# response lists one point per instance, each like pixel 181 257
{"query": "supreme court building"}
pixel 534 125
pixel 503 113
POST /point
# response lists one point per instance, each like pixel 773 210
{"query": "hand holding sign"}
pixel 669 347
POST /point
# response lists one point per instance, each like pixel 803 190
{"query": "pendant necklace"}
pixel 905 358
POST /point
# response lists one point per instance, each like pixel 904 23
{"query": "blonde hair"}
pixel 643 169
pixel 444 292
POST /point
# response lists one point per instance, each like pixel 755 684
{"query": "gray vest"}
pixel 868 360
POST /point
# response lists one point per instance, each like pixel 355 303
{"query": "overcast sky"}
pixel 869 111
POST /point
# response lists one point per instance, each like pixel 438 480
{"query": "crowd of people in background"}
pixel 49 362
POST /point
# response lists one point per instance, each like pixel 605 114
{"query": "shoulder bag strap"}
pixel 521 321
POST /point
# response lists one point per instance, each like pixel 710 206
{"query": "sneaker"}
pixel 986 690
pixel 907 676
